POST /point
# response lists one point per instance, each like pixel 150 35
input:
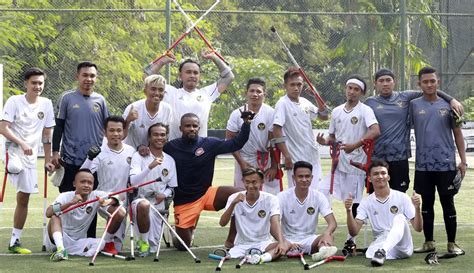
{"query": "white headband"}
pixel 356 82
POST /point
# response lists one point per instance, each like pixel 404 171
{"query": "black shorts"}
pixel 399 175
pixel 426 183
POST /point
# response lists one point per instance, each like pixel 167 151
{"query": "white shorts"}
pixel 25 181
pixel 272 187
pixel 81 247
pixel 240 250
pixel 344 184
pixel 156 224
pixel 306 243
pixel 316 176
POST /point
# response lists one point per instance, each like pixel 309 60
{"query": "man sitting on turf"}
pixel 157 164
pixel 300 207
pixel 257 215
pixel 388 211
pixel 195 157
pixel 68 231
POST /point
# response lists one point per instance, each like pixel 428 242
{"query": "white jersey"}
pixel 198 102
pixel 261 125
pixel 166 171
pixel 76 222
pixel 27 123
pixel 381 213
pixel 138 129
pixel 112 168
pixel 295 119
pixel 299 220
pixel 349 127
pixel 253 222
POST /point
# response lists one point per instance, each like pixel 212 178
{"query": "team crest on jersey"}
pixel 165 172
pixel 400 103
pixel 199 98
pixel 394 209
pixel 310 210
pixel 261 126
pixel 76 106
pixel 89 210
pixel 443 112
pixel 262 213
pixel 129 160
pixel 199 151
pixel 40 115
pixel 96 107
pixel 354 120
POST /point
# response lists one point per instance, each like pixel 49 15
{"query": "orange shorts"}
pixel 187 215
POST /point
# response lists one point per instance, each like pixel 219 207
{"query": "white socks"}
pixel 58 240
pixel 16 233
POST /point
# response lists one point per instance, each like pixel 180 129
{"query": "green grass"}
pixel 210 234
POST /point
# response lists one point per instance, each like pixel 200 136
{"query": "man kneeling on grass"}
pixel 68 232
pixel 257 216
pixel 388 211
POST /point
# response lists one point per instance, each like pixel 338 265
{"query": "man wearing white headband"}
pixel 351 123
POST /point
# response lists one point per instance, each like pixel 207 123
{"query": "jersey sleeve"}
pixel 229 201
pixel 173 183
pixel 274 206
pixel 324 207
pixel 126 111
pixel 279 116
pixel 313 112
pixel 369 117
pixel 105 110
pixel 411 94
pixel 233 122
pixel 62 198
pixel 409 208
pixel 212 92
pixel 170 93
pixel 61 107
pixel 281 201
pixel 362 213
pixel 135 164
pixel 49 117
pixel 9 110
pixel 332 123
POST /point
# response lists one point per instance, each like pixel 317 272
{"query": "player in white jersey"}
pixel 388 211
pixel 157 164
pixel 292 126
pixel 255 152
pixel 26 120
pixel 351 123
pixel 140 115
pixel 68 232
pixel 189 98
pixel 112 165
pixel 257 218
pixel 300 207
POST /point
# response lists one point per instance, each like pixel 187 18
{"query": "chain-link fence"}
pixel 329 39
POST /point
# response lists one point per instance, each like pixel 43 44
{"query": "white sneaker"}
pixel 323 253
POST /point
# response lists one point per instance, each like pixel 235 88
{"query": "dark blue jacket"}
pixel 195 162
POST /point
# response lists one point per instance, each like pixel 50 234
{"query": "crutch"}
pixel 196 259
pixel 5 175
pixel 99 246
pixel 45 204
pixel 131 226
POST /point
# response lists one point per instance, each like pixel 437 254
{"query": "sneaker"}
pixel 254 259
pixel 350 248
pixel 379 258
pixel 59 255
pixel 428 246
pixel 17 249
pixel 323 253
pixel 110 248
pixel 143 248
pixel 455 249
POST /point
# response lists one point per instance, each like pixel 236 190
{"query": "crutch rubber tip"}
pixel 197 260
pixel 237 266
pixel 129 258
pixel 218 269
pixel 156 260
pixel 91 264
pixel 168 245
pixel 306 267
pixel 43 248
